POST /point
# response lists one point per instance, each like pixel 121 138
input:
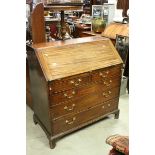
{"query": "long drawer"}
pixel 73 120
pixel 83 103
pixel 73 94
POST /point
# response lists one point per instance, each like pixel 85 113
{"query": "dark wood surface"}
pixel 89 33
pixel 39 91
pixel 38 24
pixel 86 91
pixel 80 28
pixel 61 7
pixel 83 102
pixel 29 100
pixel 73 120
pixel 123 4
pixel 61 110
pixel 28 89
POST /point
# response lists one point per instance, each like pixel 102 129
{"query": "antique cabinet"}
pixel 114 29
pixel 74 83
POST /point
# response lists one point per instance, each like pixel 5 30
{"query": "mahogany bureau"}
pixel 73 84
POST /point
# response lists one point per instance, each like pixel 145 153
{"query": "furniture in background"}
pixel 38 22
pixel 73 84
pixel 105 11
pixel 122 46
pixel 119 31
pixel 126 71
pixel 80 28
pixel 99 2
pixel 123 4
pixel 89 34
pixel 111 31
pixel 108 12
pixel 119 143
pixel 114 29
pixel 87 6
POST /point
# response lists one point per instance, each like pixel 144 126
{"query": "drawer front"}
pixel 84 102
pixel 73 120
pixel 69 82
pixel 106 73
pixel 74 94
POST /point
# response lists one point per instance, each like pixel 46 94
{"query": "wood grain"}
pixel 116 28
pixel 63 61
pixel 38 24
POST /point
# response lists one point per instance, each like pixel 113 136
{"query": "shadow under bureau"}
pixel 73 84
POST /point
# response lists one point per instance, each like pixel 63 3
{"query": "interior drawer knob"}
pixel 72 82
pixel 107 72
pixel 108 105
pixel 79 80
pixel 70 122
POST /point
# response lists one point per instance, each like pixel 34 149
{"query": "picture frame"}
pixel 97 11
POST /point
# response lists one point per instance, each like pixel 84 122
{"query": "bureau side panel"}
pixel 39 89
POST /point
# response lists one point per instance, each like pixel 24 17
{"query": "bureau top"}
pixel 70 59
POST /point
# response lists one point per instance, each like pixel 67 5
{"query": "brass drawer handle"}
pixel 72 82
pixel 70 122
pixel 107 84
pixel 79 80
pixel 107 94
pixel 104 75
pixel 69 109
pixel 76 83
pixel 71 96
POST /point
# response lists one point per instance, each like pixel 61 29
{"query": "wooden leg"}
pixel 52 143
pixel 117 115
pixel 34 119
